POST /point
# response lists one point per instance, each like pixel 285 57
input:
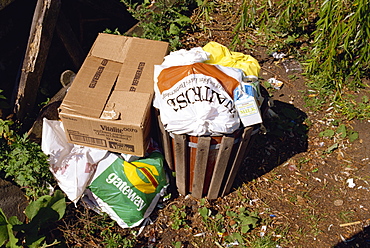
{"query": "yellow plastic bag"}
pixel 221 55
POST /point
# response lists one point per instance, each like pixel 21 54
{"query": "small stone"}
pixel 338 202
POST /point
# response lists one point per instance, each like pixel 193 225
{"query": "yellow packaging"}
pixel 221 55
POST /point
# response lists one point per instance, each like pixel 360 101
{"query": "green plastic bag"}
pixel 129 191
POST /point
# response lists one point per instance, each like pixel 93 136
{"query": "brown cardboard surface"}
pixel 108 105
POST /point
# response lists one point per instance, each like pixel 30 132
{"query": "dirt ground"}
pixel 291 180
pixel 310 191
pixel 298 181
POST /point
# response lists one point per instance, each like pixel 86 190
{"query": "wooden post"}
pixel 200 167
pixel 181 163
pixel 166 144
pixel 222 161
pixel 41 34
pixel 239 157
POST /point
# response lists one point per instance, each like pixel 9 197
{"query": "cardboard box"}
pixel 108 105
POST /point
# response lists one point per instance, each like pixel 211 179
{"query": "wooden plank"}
pixel 181 162
pixel 223 157
pixel 239 157
pixel 41 34
pixel 200 167
pixel 70 41
pixel 166 144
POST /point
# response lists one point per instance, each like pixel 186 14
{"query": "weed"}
pixel 244 219
pixel 178 217
pixel 341 132
pixel 167 21
pixel 347 216
pixel 293 77
pixel 25 163
pixel 314 220
pixel 263 242
pixel 7 135
pixel 292 199
pixel 3 103
pixel 41 214
pixel 177 244
pixel 351 109
pixel 113 239
pixel 302 161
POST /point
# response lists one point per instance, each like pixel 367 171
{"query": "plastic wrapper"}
pixel 72 165
pixel 221 55
pixel 197 99
pixel 186 57
pixel 129 191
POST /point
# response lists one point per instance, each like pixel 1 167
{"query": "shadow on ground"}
pixel 285 135
pixel 361 239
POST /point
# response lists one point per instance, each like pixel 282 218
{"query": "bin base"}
pixel 206 166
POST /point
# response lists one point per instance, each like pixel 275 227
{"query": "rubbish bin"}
pixel 206 166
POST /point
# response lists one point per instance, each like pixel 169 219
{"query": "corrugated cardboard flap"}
pixel 137 71
pixel 91 87
pixel 111 47
pixel 133 108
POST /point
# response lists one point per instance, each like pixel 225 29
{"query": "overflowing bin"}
pixel 208 106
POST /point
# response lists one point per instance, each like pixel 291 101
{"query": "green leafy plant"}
pixel 353 108
pixel 178 217
pixel 41 214
pixel 244 219
pixel 340 132
pixel 7 135
pixel 347 216
pixel 24 162
pixel 177 244
pixel 340 57
pixel 3 103
pixel 163 20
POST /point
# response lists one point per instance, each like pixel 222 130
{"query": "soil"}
pixel 297 182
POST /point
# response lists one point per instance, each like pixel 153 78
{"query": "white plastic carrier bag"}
pixel 72 165
pixel 197 99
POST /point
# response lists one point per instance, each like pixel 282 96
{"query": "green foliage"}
pixel 6 132
pixel 24 162
pixel 41 214
pixel 165 20
pixel 177 244
pixel 244 220
pixel 112 239
pixel 90 227
pixel 341 52
pixel 3 103
pixel 341 132
pixel 232 225
pixel 354 109
pixel 178 217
